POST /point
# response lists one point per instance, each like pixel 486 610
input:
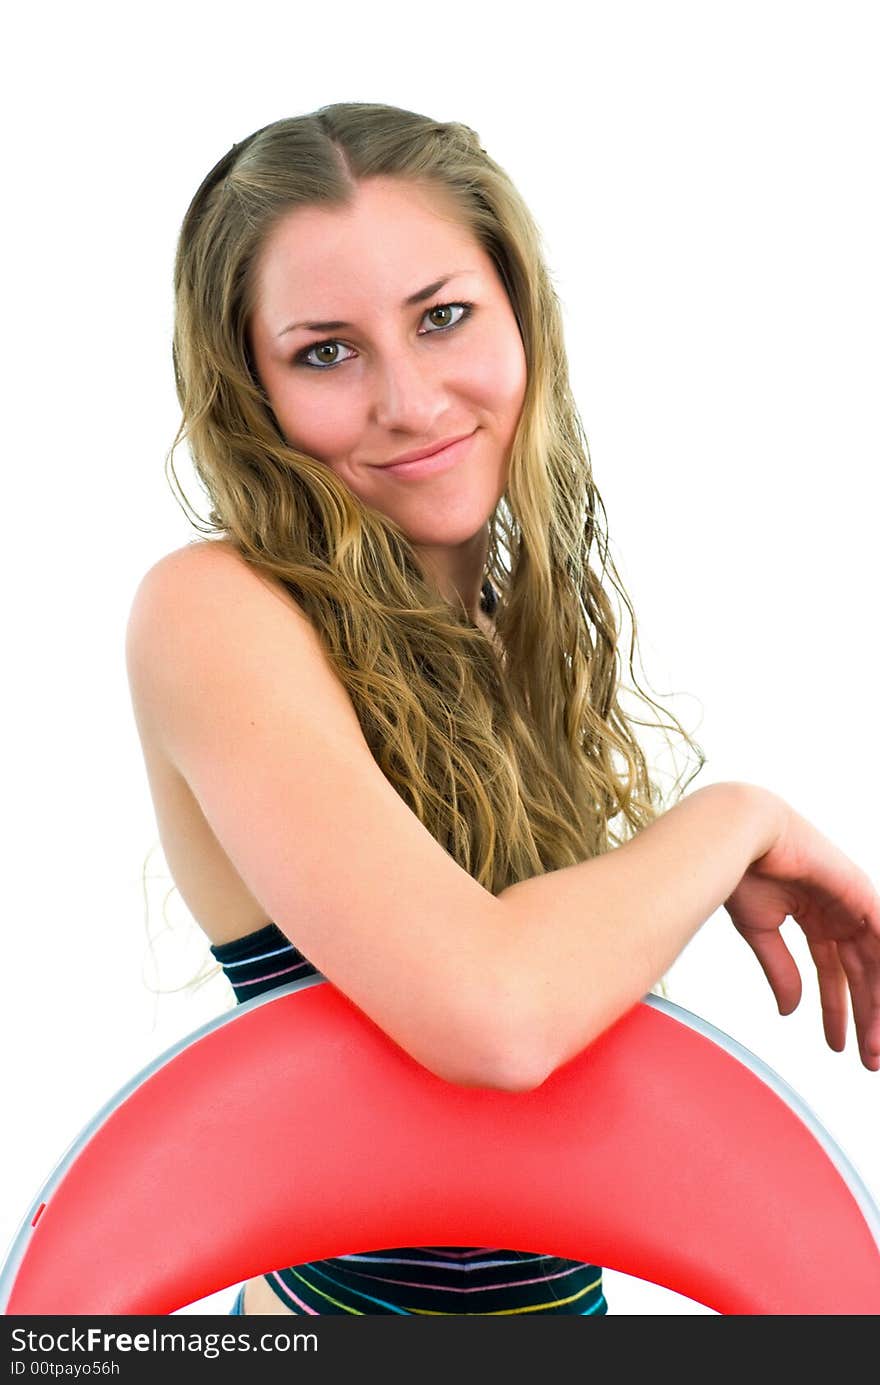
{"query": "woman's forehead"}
pixel 383 214
pixel 320 262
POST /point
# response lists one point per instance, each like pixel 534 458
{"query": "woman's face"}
pixel 374 376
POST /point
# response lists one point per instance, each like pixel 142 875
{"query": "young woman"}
pixel 379 702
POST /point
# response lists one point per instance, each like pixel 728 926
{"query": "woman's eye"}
pixel 333 346
pixel 447 308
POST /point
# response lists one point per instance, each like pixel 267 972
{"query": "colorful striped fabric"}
pixel 427 1280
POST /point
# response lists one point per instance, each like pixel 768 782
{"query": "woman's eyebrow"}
pixel 414 298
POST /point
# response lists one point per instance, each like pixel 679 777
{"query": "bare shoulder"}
pixel 201 558
pixel 204 596
pixel 193 569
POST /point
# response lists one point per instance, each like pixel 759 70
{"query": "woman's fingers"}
pixel 834 993
pixel 805 877
pixel 778 966
pixel 845 978
pixel 863 975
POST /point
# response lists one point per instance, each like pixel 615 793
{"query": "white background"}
pixel 705 180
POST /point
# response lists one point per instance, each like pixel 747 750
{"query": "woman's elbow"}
pixel 497 1067
pixel 506 1068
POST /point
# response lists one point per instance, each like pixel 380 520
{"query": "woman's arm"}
pixel 590 940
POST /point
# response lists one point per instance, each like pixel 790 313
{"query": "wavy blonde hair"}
pixel 518 762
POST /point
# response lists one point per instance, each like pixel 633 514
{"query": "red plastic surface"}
pixel 298 1130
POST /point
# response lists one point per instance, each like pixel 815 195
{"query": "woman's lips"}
pixel 437 462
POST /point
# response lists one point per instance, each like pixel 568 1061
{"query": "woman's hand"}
pixel 805 875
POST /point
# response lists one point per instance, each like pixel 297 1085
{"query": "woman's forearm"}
pixel 585 943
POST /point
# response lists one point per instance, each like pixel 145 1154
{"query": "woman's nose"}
pixel 407 393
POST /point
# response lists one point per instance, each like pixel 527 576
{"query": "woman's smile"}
pixel 435 462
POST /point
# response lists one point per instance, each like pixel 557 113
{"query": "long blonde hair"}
pixel 517 763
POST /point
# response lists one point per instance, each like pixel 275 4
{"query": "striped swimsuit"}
pixel 427 1280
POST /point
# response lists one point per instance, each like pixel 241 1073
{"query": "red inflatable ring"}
pixel 665 1151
